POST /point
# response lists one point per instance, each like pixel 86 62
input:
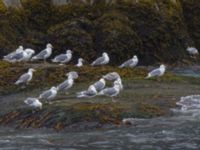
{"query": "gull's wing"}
pixel 41 55
pixel 98 61
pixel 126 63
pixel 18 56
pixel 155 72
pixel 29 101
pixel 99 85
pixel 46 94
pixel 60 58
pixel 24 78
pixel 109 91
pixel 63 85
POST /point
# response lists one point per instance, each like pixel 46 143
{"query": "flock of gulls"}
pixel 96 89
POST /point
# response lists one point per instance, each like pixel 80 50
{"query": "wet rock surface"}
pixel 140 98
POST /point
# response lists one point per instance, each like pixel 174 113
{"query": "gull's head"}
pixel 20 47
pixel 134 57
pixel 68 51
pixel 102 80
pixel 31 70
pixel 54 88
pixel 162 66
pixel 105 54
pixel 81 60
pixel 49 45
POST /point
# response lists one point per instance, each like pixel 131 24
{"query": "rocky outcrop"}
pixel 157 31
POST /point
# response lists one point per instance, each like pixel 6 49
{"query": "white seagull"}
pixel 72 74
pixel 33 102
pixel 157 72
pixel 91 92
pixel 192 51
pixel 44 54
pixel 80 62
pixel 49 94
pixel 120 83
pixel 99 85
pixel 25 78
pixel 63 58
pixel 111 92
pixel 29 53
pixel 101 60
pixel 130 63
pixel 112 76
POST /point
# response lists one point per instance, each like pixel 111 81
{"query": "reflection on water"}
pixel 190 71
pixel 180 131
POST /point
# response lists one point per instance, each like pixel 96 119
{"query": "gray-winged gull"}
pixel 67 84
pixel 91 92
pixel 49 94
pixel 101 60
pixel 111 76
pixel 23 56
pixel 157 72
pixel 192 51
pixel 99 85
pixel 80 62
pixel 10 55
pixel 130 63
pixel 44 54
pixel 111 92
pixel 33 102
pixel 63 58
pixel 25 78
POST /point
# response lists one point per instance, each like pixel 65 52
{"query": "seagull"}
pixel 67 84
pixel 120 83
pixel 192 51
pixel 33 102
pixel 80 62
pixel 72 74
pixel 25 78
pixel 63 58
pixel 101 60
pixel 18 57
pixel 29 53
pixel 10 55
pixel 91 92
pixel 112 76
pixel 49 94
pixel 99 85
pixel 44 54
pixel 23 56
pixel 111 92
pixel 157 72
pixel 130 63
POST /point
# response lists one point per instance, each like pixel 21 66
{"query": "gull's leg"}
pixel 113 100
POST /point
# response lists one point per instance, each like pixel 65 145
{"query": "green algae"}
pixel 157 31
